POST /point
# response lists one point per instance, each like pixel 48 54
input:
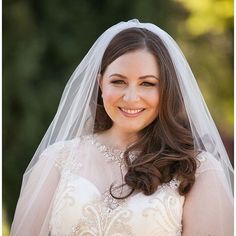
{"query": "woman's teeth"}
pixel 131 111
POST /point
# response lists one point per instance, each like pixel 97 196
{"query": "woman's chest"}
pixel 81 209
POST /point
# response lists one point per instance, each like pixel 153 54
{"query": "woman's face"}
pixel 130 90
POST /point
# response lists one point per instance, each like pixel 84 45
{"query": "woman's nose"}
pixel 131 95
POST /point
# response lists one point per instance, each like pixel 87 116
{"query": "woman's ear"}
pixel 99 79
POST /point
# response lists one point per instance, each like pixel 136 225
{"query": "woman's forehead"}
pixel 139 62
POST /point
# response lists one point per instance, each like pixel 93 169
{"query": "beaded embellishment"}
pixel 111 154
pixel 116 155
pixel 110 202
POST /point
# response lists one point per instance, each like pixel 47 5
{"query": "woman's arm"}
pixel 208 208
pixel 34 206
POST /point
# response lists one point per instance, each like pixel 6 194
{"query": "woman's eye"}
pixel 117 82
pixel 148 84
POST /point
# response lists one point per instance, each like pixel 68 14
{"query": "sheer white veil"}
pixel 76 112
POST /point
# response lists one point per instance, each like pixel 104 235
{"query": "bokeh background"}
pixel 43 42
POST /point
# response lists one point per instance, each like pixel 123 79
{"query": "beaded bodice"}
pixel 84 206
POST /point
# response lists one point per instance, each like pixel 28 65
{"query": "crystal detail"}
pixel 173 184
pixel 112 154
pixel 110 202
pixel 201 158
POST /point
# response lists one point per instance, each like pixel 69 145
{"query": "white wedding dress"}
pixel 82 205
pixel 74 200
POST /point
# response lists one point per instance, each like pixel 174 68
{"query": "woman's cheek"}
pixel 112 94
pixel 151 96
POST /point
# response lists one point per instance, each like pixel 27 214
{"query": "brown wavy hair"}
pixel 165 146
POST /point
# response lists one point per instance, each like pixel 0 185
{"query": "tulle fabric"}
pixel 207 209
pixel 76 112
pixel 75 118
pixel 34 207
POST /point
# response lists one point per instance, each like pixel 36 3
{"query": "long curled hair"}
pixel 165 146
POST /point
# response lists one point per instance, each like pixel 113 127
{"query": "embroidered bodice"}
pixel 83 205
pixel 66 194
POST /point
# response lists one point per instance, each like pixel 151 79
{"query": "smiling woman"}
pixel 132 84
pixel 128 92
pixel 132 149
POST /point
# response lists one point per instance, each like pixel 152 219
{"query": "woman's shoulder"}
pixel 61 147
pixel 68 145
pixel 207 162
pixel 66 148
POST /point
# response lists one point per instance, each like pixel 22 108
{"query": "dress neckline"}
pixel 111 154
pixel 113 149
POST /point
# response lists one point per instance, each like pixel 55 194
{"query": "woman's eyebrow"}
pixel 118 75
pixel 147 76
pixel 141 77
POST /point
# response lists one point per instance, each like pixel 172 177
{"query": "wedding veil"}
pixel 76 112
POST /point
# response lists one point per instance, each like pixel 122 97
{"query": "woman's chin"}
pixel 131 129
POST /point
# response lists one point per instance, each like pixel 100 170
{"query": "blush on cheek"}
pixel 111 95
pixel 107 98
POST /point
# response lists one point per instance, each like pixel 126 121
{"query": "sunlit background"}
pixel 43 42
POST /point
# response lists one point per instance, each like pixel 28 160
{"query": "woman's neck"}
pixel 117 138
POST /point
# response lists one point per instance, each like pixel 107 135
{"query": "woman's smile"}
pixel 130 90
pixel 131 112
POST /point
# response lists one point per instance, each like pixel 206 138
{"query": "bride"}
pixel 132 149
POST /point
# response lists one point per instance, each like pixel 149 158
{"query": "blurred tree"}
pixel 43 41
pixel 208 44
pixel 214 16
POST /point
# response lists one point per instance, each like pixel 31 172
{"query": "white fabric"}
pixel 208 209
pixel 78 208
pixel 75 118
pixel 76 112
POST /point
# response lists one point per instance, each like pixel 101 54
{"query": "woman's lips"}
pixel 128 112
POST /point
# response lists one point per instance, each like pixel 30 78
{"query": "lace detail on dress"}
pixel 107 216
pixel 76 212
pixel 173 184
pixel 63 198
pixel 111 154
pixel 62 163
pixel 110 202
pixel 66 157
pixel 100 221
pixel 167 219
pixel 64 194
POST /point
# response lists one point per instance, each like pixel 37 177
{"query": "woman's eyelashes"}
pixel 146 84
pixel 118 82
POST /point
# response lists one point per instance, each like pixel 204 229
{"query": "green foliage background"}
pixel 43 41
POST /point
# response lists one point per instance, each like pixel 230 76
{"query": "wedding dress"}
pixel 83 206
pixel 65 187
